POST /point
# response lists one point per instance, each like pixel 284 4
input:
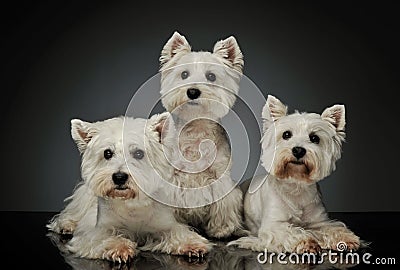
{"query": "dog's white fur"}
pixel 198 122
pixel 286 214
pixel 110 220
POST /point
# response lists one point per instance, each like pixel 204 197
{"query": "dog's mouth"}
pixel 297 162
pixel 298 166
pixel 121 192
pixel 295 169
pixel 192 102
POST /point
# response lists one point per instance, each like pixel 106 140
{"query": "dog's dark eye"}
pixel 184 74
pixel 314 138
pixel 108 154
pixel 138 154
pixel 287 135
pixel 211 76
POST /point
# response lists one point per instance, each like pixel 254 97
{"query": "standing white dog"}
pixel 198 89
pixel 109 214
pixel 286 213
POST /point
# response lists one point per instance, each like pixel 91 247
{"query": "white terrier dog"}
pixel 286 214
pixel 198 89
pixel 108 214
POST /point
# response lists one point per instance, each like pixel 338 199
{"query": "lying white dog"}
pixel 286 214
pixel 109 215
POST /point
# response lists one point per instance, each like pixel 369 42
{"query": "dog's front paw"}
pixel 338 238
pixel 307 246
pixel 193 250
pixel 120 251
pixel 220 232
pixel 347 244
pixel 248 242
pixel 241 232
pixel 343 240
pixel 68 227
pixel 62 226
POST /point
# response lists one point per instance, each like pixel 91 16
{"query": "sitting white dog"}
pixel 108 214
pixel 199 88
pixel 286 214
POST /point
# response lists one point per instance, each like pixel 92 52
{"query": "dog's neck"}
pixel 293 187
pixel 295 194
pixel 201 126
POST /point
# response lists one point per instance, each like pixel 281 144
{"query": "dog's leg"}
pixel 225 216
pixel 280 237
pixel 94 241
pixel 331 233
pixel 78 204
pixel 180 240
pixel 286 237
pixel 335 235
pixel 100 243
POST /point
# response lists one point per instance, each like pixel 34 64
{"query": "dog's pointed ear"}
pixel 176 44
pixel 229 50
pixel 336 116
pixel 273 110
pixel 82 132
pixel 161 125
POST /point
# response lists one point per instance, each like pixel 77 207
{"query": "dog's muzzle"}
pixel 122 189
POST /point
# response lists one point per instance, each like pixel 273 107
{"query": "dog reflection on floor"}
pixel 221 257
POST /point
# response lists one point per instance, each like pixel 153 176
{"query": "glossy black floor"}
pixel 27 244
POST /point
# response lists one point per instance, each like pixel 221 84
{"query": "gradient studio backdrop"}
pixel 67 60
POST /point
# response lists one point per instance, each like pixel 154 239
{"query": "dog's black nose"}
pixel 119 178
pixel 298 152
pixel 193 93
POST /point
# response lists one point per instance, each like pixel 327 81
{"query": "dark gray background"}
pixel 84 60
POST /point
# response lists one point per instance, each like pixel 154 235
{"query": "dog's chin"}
pixel 184 106
pixel 202 108
pixel 123 193
pixel 191 110
pixel 295 170
pixel 192 105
